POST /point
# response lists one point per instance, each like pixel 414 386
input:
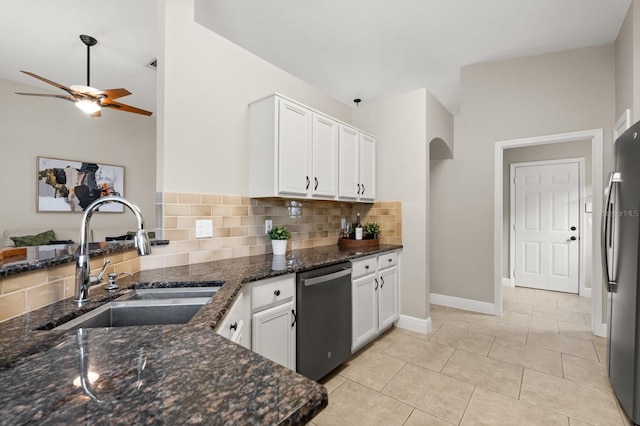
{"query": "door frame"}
pixel 582 291
pixel 596 137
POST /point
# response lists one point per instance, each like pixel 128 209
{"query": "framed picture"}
pixel 70 185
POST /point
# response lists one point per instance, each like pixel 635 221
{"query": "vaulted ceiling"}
pixel 365 49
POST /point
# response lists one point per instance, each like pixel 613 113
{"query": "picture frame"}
pixel 71 185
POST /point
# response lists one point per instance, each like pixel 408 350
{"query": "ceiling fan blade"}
pixel 68 98
pixel 115 93
pixel 126 108
pixel 53 83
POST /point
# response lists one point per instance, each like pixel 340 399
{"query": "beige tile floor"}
pixel 537 364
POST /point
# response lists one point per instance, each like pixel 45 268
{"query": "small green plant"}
pixel 279 233
pixel 371 229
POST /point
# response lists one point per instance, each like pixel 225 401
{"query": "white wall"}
pixel 404 125
pixel 534 96
pixel 207 83
pixel 32 127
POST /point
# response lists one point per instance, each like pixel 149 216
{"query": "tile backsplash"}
pixel 238 225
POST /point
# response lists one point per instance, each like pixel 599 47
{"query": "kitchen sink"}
pixel 169 293
pixel 158 306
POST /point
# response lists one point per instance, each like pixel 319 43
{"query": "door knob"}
pixel 573 238
pixel 573 228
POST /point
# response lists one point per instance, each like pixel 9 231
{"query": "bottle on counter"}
pixel 358 227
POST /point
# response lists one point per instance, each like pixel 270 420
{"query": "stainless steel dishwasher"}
pixel 324 319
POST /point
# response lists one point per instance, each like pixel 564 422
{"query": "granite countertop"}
pixel 171 374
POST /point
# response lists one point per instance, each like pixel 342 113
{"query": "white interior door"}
pixel 547 226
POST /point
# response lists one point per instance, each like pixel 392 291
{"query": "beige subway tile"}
pixel 61 271
pixel 200 256
pixel 115 258
pixel 232 242
pixel 217 221
pixel 239 231
pixel 296 245
pixel 211 244
pixel 248 221
pixel 256 250
pixel 177 234
pixel 69 287
pixel 170 222
pixel 185 222
pixel 189 198
pixel 170 197
pixel 231 221
pixel 176 259
pixel 13 304
pixel 240 210
pixel 211 199
pixel 133 253
pixel 46 294
pixel 188 246
pixel 135 264
pixel 176 210
pixel 256 210
pixel 241 251
pixel 249 241
pixel 24 280
pixel 222 254
pixel 231 200
pixel 220 210
pixel 246 201
pixel 152 262
pixel 200 210
pixel 222 232
pixel 161 250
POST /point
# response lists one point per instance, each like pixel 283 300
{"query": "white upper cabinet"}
pixel 324 157
pixel 357 165
pixel 297 152
pixel 294 148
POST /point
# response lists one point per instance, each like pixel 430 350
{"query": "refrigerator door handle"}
pixel 606 238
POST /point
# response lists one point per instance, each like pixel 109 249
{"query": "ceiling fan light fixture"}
pixel 88 106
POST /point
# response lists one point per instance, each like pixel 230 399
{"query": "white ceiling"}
pixel 366 49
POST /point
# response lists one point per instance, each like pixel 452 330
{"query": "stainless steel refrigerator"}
pixel 621 265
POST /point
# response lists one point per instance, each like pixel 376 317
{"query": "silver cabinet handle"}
pixel 606 238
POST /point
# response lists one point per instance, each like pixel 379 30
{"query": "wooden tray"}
pixel 12 252
pixel 347 243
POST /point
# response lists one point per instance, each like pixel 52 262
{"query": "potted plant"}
pixel 371 230
pixel 279 236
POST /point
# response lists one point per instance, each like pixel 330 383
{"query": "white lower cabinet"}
pixel 273 319
pixel 235 325
pixel 274 334
pixel 375 296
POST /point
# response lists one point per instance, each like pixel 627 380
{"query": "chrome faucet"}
pixel 83 266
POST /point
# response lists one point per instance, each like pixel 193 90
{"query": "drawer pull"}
pixel 390 260
pixel 366 266
pixel 234 326
pixel 382 279
pixel 277 292
pixel 376 280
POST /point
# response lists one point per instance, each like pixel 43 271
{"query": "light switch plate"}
pixel 268 224
pixel 204 228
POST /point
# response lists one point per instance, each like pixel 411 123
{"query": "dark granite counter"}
pixel 40 257
pixel 158 374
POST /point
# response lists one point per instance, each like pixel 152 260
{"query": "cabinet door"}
pixel 274 334
pixel 232 326
pixel 367 167
pixel 388 295
pixel 365 310
pixel 294 148
pixel 349 185
pixel 324 182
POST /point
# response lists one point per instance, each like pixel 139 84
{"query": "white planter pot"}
pixel 279 246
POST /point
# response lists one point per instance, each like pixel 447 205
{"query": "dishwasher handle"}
pixel 324 278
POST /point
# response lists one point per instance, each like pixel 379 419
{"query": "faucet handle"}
pixel 93 280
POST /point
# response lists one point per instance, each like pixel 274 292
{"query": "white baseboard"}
pixel 506 282
pixel 414 324
pixel 585 292
pixel 603 330
pixel 466 304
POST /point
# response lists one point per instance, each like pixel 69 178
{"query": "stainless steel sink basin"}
pixel 138 312
pixel 169 293
pixel 158 306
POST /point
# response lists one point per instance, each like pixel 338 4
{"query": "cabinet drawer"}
pixel 272 291
pixel 232 323
pixel 387 260
pixel 363 267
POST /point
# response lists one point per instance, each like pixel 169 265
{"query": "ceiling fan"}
pixel 87 98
